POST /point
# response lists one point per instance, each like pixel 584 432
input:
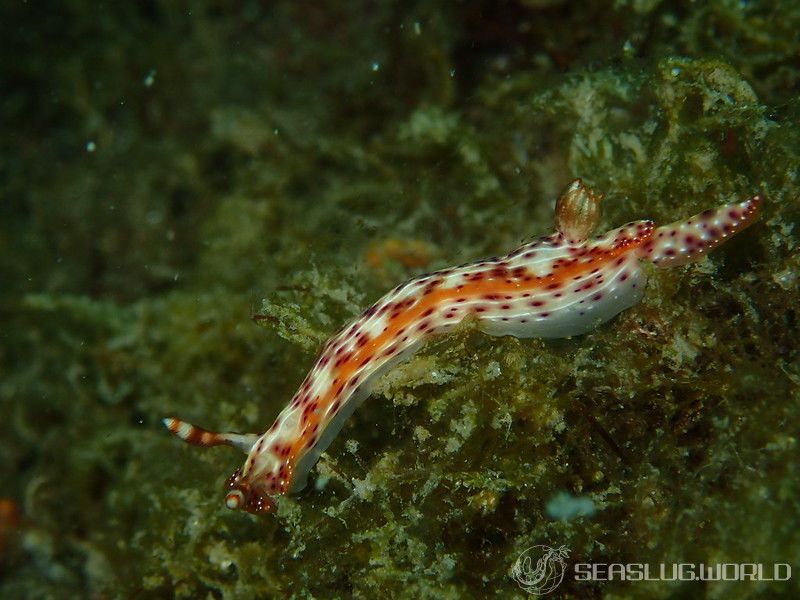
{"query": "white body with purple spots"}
pixel 558 286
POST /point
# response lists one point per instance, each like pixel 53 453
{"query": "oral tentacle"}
pixel 197 436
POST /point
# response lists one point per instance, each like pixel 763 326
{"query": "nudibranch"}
pixel 557 286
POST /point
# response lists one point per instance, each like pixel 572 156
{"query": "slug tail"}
pixel 687 241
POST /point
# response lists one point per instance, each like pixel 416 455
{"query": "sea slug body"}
pixel 561 285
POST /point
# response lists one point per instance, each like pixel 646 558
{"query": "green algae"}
pixel 245 165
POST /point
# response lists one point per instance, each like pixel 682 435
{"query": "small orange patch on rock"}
pixel 412 254
pixel 10 522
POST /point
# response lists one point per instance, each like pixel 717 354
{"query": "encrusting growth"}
pixel 557 286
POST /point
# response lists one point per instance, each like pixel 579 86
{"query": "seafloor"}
pixel 170 170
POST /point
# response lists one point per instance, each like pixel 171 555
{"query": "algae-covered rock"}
pixel 195 199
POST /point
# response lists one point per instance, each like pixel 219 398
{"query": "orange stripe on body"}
pixel 469 290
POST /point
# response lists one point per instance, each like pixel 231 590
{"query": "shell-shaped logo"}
pixel 540 569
